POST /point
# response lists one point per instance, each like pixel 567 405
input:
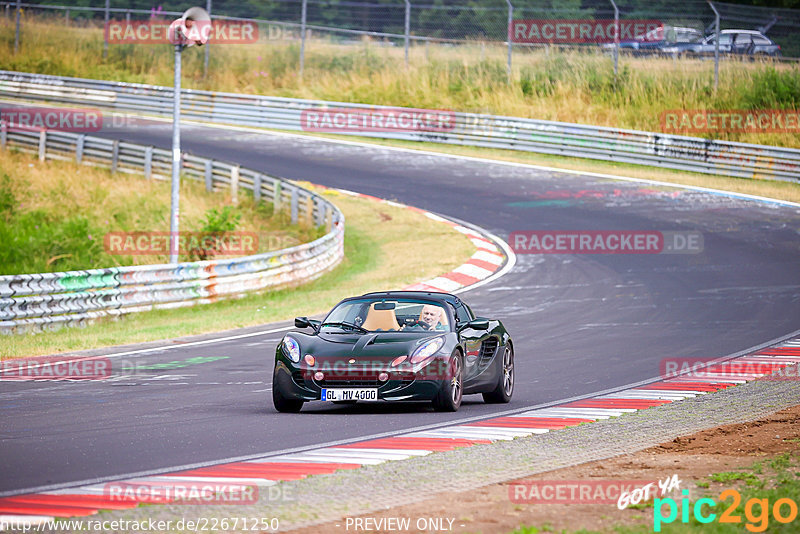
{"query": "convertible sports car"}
pixel 394 346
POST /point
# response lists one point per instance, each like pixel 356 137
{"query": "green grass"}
pixel 380 254
pixel 45 225
pixel 564 86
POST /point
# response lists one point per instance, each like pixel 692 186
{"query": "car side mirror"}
pixel 301 322
pixel 475 324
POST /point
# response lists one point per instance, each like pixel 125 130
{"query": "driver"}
pixel 429 318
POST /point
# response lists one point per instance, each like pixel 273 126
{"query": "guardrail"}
pixel 50 300
pixel 469 129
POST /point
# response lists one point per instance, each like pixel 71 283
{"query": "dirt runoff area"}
pixel 586 496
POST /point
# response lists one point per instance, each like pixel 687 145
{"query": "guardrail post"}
pixel 328 219
pixel 716 45
pixel 257 187
pixel 323 213
pixel 235 184
pixel 207 46
pixel 407 27
pixel 616 39
pixel 42 145
pixel 509 37
pixel 16 29
pixel 309 215
pixel 294 205
pixel 276 197
pixel 105 29
pixel 3 134
pixel 209 175
pixel 127 18
pixel 79 149
pixel 114 156
pixel 66 17
pixel 303 36
pixel 148 162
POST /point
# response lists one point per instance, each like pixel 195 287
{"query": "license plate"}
pixel 349 394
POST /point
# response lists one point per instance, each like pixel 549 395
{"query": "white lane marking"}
pixel 483 244
pixel 723 379
pixel 373 453
pixel 488 257
pixel 214 480
pixel 473 270
pixel 678 391
pixel 164 347
pixel 648 395
pixel 302 457
pixel 526 430
pixel 463 435
pixel 469 433
pixel 436 217
pixel 591 413
pixel 445 284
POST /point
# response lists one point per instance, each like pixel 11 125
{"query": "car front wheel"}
pixel 281 403
pixel 449 397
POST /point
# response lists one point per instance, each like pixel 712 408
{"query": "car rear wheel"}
pixel 505 382
pixel 449 397
pixel 282 404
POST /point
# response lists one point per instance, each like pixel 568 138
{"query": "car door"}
pixel 475 343
pixel 741 43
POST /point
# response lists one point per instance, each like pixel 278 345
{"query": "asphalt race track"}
pixel 581 323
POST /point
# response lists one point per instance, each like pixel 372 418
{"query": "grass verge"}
pixel 380 253
pixel 54 217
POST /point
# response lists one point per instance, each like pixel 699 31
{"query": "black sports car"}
pixel 394 346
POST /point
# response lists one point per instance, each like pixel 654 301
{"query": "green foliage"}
pixel 771 89
pixel 222 220
pixel 37 241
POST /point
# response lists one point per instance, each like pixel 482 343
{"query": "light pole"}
pixel 193 28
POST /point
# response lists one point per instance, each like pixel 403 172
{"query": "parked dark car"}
pixel 394 346
pixel 657 39
pixel 731 42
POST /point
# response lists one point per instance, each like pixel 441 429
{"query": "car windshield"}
pixel 386 315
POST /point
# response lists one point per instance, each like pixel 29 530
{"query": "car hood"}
pixel 373 346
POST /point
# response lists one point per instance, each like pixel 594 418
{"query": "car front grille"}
pixel 361 382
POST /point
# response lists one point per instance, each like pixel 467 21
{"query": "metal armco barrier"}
pixel 49 300
pixel 469 129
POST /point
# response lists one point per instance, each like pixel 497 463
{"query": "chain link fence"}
pixel 414 23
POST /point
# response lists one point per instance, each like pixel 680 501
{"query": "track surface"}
pixel 581 323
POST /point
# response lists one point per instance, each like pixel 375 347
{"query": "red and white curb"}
pixel 493 254
pixel 88 500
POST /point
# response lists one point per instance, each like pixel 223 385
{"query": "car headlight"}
pixel 427 349
pixel 292 348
